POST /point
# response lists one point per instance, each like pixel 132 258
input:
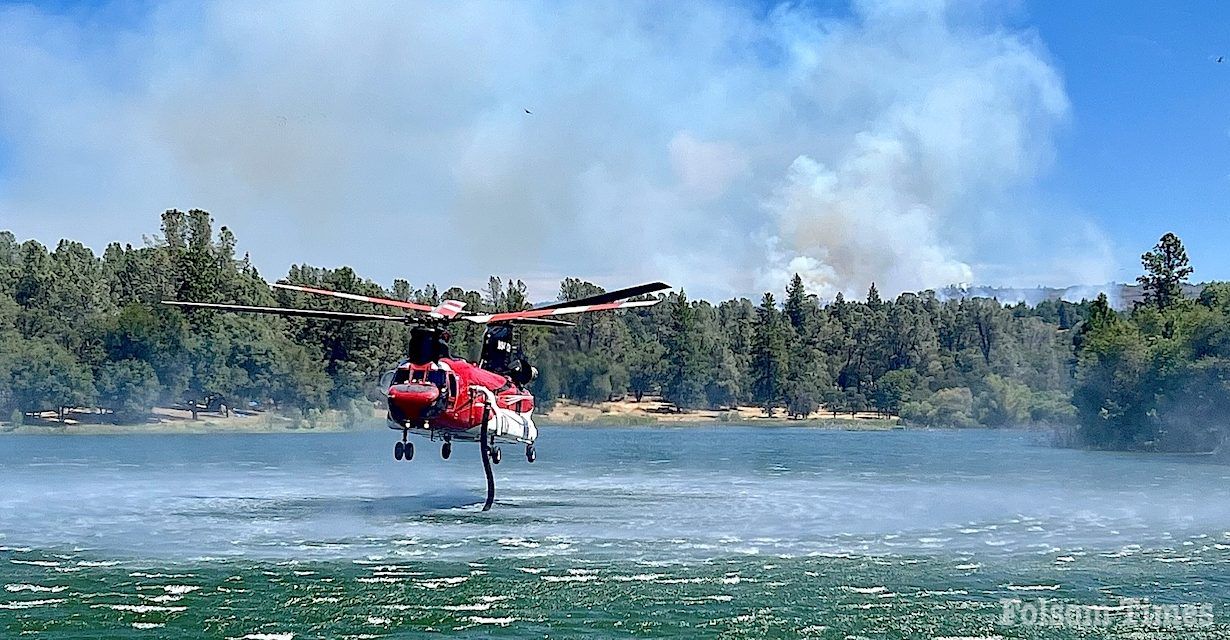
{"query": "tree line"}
pixel 1157 377
pixel 79 330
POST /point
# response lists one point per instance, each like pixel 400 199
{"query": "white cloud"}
pixel 703 143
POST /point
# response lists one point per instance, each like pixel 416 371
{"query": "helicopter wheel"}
pixel 495 456
pixel 399 450
pixel 409 451
pixel 530 454
pixel 446 450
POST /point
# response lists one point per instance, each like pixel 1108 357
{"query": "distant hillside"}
pixel 1122 296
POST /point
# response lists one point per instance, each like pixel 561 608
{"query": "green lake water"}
pixel 725 532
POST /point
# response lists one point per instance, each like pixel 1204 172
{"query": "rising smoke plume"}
pixel 718 146
pixel 962 118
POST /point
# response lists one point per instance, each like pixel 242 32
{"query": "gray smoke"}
pixel 707 144
pixel 951 121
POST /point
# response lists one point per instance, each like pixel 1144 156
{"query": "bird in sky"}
pixel 532 113
pixel 1219 59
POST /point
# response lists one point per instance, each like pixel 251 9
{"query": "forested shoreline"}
pixel 1157 378
pixel 84 331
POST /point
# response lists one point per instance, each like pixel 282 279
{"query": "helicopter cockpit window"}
pixel 438 377
pixel 452 385
pixel 398 376
pixel 427 345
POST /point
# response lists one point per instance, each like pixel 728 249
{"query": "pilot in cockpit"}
pixel 442 349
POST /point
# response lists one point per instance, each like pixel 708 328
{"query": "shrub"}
pixel 951 407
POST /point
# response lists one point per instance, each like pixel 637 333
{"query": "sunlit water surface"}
pixel 692 532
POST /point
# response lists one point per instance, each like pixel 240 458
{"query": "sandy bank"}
pixel 171 420
pixel 651 411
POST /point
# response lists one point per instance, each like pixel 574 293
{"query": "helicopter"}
pixel 432 394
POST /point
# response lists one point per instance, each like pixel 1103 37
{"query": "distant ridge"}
pixel 1122 296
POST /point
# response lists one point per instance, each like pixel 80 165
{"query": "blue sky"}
pixel 1148 147
pixel 719 145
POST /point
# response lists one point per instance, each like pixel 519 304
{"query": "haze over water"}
pixel 697 532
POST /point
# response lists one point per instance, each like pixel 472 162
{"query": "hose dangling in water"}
pixel 485 448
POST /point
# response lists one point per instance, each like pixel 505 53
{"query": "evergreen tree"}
pixel 1166 271
pixel 725 387
pixel 10 261
pixel 799 308
pixel 768 356
pixel 34 275
pixel 646 365
pixel 684 384
pixel 873 297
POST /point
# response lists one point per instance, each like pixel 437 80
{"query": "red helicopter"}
pixel 433 394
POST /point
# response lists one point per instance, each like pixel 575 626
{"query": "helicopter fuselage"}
pixel 449 398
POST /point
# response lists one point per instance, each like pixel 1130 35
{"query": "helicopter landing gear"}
pixel 496 456
pixel 403 450
pixel 530 454
pixel 447 449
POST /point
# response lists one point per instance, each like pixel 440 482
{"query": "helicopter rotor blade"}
pixel 537 322
pixel 558 311
pixel 283 311
pixel 543 322
pixel 447 309
pixel 609 296
pixel 354 296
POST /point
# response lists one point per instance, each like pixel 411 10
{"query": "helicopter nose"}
pixel 413 399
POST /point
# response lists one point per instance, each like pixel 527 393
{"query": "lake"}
pixel 732 532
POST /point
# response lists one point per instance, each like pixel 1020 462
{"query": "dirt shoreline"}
pixel 171 420
pixel 618 414
pixel 652 411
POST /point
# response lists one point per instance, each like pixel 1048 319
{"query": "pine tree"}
pixel 768 356
pixel 873 298
pixel 34 276
pixel 684 377
pixel 495 295
pixel 797 307
pixel 1166 271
